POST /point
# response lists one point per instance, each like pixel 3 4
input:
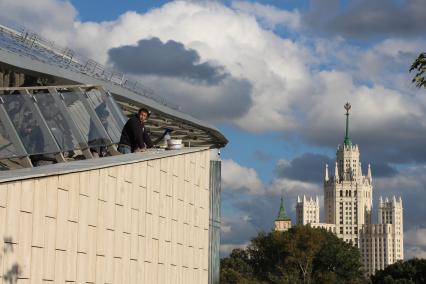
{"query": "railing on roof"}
pixel 30 44
pixel 53 124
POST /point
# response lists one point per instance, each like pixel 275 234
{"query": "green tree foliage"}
pixel 419 65
pixel 300 255
pixel 412 271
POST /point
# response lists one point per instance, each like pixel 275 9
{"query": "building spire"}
pixel 282 216
pixel 336 173
pixel 347 140
pixel 369 173
pixel 326 172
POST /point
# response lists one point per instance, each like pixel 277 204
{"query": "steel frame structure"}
pixel 27 97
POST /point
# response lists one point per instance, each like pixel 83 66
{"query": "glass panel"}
pixel 7 149
pixel 121 118
pixel 106 112
pixel 56 121
pixel 84 121
pixel 35 137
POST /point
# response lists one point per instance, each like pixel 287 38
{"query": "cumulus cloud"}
pixel 415 252
pixel 45 15
pixel 416 237
pixel 263 82
pixel 415 241
pixel 172 59
pixel 212 103
pixel 292 188
pixel 234 232
pixel 268 15
pixel 239 178
pixel 252 215
pixel 366 18
pixel 273 83
pixel 390 123
pixel 257 210
pixel 272 65
pixel 308 167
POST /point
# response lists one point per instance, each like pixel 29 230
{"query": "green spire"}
pixel 347 140
pixel 282 216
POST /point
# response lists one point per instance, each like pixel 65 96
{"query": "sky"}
pixel 273 76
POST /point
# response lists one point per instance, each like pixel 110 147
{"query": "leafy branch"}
pixel 419 65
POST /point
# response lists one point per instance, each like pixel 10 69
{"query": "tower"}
pixel 307 210
pixel 282 223
pixel 390 212
pixel 348 207
pixel 347 194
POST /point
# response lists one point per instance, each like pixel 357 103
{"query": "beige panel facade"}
pixel 140 222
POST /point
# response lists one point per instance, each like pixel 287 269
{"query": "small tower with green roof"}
pixel 283 222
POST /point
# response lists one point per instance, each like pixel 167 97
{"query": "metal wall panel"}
pixel 214 222
pixel 103 242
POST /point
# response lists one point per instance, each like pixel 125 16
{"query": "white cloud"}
pixel 210 102
pixel 42 16
pixel 298 84
pixel 288 92
pixel 233 39
pixel 270 16
pixel 293 188
pixel 237 177
pixel 416 237
pixel 415 252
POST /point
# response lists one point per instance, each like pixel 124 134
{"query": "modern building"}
pixel 348 205
pixel 74 210
pixel 283 222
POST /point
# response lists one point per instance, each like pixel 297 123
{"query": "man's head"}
pixel 143 114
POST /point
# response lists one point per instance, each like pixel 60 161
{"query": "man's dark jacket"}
pixel 135 135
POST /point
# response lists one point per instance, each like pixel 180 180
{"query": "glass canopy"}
pixel 48 123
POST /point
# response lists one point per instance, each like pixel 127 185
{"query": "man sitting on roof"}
pixel 134 137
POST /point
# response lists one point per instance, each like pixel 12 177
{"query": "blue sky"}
pixel 273 76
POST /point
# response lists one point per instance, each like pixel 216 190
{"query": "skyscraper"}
pixel 348 205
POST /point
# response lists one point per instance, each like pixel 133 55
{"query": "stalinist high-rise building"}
pixel 348 205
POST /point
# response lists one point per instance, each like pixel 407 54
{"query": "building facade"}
pixel 122 219
pixel 73 209
pixel 348 205
pixel 307 210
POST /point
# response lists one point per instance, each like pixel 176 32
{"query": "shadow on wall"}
pixel 11 273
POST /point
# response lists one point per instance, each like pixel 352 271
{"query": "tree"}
pixel 412 271
pixel 236 268
pixel 420 66
pixel 300 255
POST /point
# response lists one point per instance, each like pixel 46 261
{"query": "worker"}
pixel 134 137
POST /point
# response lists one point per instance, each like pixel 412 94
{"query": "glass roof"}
pixel 34 46
pixel 7 148
pixel 29 124
pixel 49 123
